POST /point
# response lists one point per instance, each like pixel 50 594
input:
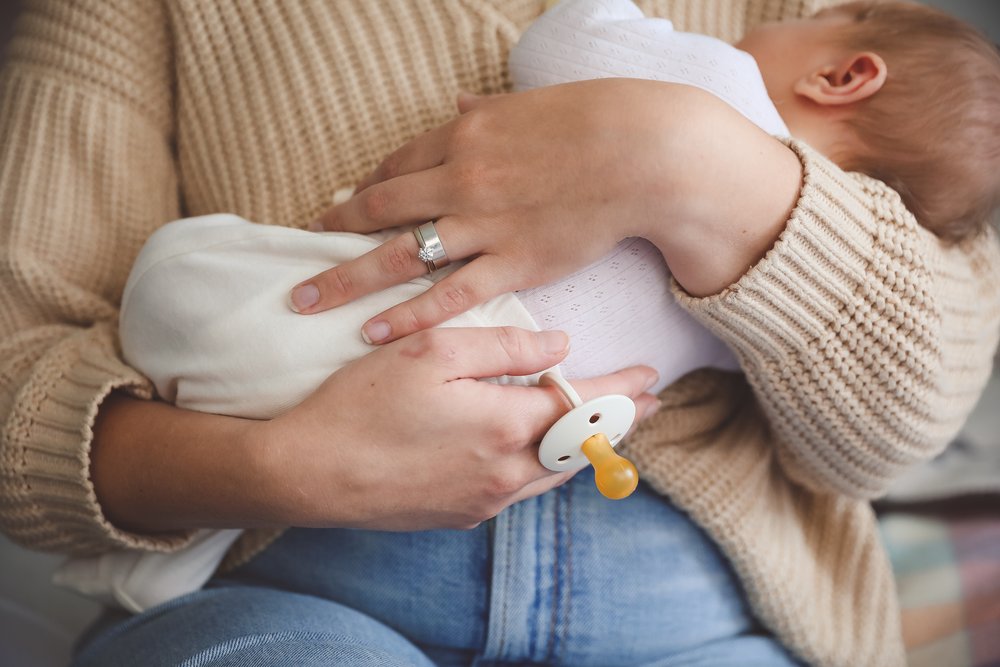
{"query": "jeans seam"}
pixel 556 580
pixel 508 537
pixel 536 598
pixel 568 593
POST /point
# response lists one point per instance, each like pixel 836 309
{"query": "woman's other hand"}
pixel 402 439
pixel 406 438
pixel 533 186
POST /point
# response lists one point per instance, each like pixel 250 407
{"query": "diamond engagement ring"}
pixel 431 251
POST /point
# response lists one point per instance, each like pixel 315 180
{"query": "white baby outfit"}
pixel 205 316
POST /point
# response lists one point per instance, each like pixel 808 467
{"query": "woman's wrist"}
pixel 293 492
pixel 158 468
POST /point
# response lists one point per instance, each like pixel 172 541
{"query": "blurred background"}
pixel 983 13
pixel 45 619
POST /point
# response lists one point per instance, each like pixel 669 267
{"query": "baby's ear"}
pixel 852 79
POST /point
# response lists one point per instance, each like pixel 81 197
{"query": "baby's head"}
pixel 898 91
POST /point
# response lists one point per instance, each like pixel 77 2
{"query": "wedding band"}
pixel 431 250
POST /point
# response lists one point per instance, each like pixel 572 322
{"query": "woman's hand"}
pixel 401 439
pixel 535 185
pixel 406 439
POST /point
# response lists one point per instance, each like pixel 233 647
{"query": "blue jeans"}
pixel 567 578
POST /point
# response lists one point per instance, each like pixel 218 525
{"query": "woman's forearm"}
pixel 159 468
pixel 733 189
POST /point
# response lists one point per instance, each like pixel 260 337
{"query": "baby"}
pixel 898 91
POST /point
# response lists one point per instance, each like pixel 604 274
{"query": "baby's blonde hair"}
pixel 932 132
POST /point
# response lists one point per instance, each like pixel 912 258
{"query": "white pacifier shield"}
pixel 560 449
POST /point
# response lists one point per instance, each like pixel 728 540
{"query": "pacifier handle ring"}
pixel 550 379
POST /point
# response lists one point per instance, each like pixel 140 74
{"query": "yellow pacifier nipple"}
pixel 615 476
pixel 580 436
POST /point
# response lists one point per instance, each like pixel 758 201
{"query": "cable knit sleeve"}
pixel 867 342
pixel 86 174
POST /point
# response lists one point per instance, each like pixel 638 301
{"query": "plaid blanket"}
pixel 948 574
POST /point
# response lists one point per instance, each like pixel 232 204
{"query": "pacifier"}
pixel 588 433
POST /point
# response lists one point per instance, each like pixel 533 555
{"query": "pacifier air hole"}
pixel 596 417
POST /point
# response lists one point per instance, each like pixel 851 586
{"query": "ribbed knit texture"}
pixel 864 342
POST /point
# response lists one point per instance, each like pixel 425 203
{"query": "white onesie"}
pixel 204 314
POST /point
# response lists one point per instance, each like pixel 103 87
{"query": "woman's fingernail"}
pixel 652 409
pixel 304 296
pixel 376 332
pixel 555 342
pixel 651 380
pixel 315 226
pixel 342 195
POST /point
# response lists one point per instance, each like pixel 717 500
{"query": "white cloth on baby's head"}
pixel 205 314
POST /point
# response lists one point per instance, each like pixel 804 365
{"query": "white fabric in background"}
pixel 136 581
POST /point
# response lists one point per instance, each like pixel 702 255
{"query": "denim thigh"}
pixel 566 578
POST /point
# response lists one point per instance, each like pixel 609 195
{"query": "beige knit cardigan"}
pixel 864 342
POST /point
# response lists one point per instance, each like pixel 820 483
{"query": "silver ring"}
pixel 431 250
